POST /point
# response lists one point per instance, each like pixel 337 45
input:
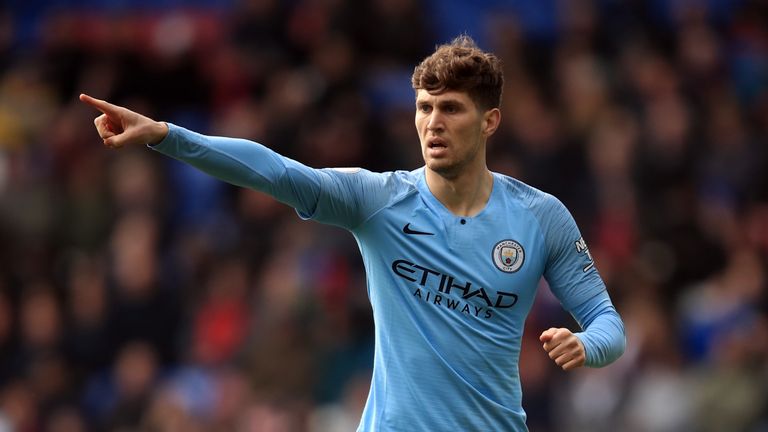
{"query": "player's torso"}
pixel 482 269
pixel 450 295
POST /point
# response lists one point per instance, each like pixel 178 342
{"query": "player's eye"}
pixel 451 109
pixel 425 108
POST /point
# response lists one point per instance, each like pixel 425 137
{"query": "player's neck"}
pixel 463 195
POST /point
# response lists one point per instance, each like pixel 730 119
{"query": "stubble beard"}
pixel 451 170
pixel 448 171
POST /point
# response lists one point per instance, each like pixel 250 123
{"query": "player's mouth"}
pixel 436 147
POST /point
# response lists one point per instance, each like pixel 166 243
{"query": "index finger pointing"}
pixel 101 105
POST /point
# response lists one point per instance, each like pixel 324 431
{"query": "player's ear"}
pixel 491 121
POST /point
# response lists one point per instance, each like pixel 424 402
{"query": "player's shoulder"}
pixel 404 182
pixel 394 178
pixel 527 196
pixel 406 177
pixel 390 184
pixel 400 180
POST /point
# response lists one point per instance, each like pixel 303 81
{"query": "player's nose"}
pixel 435 122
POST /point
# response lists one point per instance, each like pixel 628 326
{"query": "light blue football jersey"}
pixel 449 294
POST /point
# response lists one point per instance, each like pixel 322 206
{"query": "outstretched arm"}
pixel 118 126
pixel 237 161
pixel 330 196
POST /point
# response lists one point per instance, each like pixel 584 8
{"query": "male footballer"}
pixel 453 252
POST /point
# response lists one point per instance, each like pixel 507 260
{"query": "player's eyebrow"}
pixel 451 102
pixel 441 103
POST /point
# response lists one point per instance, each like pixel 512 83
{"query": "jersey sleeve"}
pixel 570 270
pixel 339 197
pixel 573 278
pixel 603 337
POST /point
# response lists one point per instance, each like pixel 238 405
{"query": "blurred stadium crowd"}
pixel 138 294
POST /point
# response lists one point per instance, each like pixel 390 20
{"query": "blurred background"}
pixel 137 294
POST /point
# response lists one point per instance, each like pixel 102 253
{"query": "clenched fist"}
pixel 564 348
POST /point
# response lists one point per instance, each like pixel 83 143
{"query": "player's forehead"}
pixel 448 96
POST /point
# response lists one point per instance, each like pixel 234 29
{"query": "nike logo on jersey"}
pixel 407 229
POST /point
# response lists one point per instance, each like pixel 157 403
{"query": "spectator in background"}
pixel 119 398
pixel 141 307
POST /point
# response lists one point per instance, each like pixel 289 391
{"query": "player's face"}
pixel 452 131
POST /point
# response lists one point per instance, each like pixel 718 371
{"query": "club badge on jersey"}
pixel 508 256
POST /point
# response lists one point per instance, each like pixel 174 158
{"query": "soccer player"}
pixel 453 252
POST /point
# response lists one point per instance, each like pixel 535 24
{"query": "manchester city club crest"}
pixel 508 256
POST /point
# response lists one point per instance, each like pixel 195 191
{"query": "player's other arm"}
pixel 603 334
pixel 601 342
pixel 575 281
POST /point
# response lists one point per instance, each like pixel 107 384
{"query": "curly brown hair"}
pixel 462 66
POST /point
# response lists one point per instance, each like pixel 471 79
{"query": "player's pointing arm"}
pixel 118 126
pixel 244 163
pixel 237 161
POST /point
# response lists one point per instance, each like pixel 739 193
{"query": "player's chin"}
pixel 444 168
pixel 439 165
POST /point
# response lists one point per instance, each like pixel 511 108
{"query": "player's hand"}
pixel 564 348
pixel 118 126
